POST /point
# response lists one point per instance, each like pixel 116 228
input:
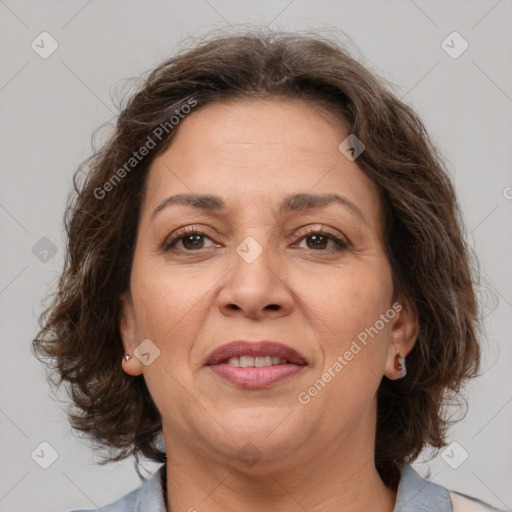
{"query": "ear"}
pixel 128 331
pixel 404 332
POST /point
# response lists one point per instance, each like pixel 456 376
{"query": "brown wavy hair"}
pixel 431 263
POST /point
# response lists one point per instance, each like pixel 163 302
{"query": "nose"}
pixel 256 289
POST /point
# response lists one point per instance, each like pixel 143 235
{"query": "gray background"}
pixel 50 107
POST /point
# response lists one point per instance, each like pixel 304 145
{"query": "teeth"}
pixel 261 361
pixel 246 361
pixel 234 361
pixel 257 362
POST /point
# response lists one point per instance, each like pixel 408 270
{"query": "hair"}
pixel 431 263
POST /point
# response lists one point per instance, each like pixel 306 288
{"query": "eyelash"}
pixel 186 232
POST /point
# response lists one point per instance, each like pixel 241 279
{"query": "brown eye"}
pixel 318 240
pixel 191 240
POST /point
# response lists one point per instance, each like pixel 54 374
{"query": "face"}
pixel 257 263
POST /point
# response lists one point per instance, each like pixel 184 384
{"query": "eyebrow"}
pixel 291 203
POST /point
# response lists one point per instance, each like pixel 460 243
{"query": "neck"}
pixel 339 475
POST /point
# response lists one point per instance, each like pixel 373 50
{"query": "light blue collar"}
pixel 416 494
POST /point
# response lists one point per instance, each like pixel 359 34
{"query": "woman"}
pixel 266 273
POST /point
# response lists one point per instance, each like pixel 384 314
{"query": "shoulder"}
pixel 464 503
pixel 416 493
pixel 125 504
pixel 149 497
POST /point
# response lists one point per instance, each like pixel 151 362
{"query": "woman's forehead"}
pixel 266 125
pixel 256 150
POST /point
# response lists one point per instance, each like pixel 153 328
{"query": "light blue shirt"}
pixel 414 494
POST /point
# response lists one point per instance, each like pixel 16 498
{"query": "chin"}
pixel 256 435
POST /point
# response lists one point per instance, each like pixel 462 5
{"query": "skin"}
pixel 189 301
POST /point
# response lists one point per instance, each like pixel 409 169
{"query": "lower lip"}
pixel 255 378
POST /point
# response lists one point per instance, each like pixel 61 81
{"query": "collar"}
pixel 415 494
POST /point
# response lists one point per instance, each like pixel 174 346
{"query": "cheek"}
pixel 355 345
pixel 350 301
pixel 168 309
pixel 161 318
pixel 354 348
pixel 165 297
pixel 172 307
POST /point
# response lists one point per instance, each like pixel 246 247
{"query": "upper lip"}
pixel 254 348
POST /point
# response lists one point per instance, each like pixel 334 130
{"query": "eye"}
pixel 319 240
pixel 191 239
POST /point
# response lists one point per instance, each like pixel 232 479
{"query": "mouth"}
pixel 253 365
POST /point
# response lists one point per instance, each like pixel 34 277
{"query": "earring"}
pixel 400 364
pixel 127 357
